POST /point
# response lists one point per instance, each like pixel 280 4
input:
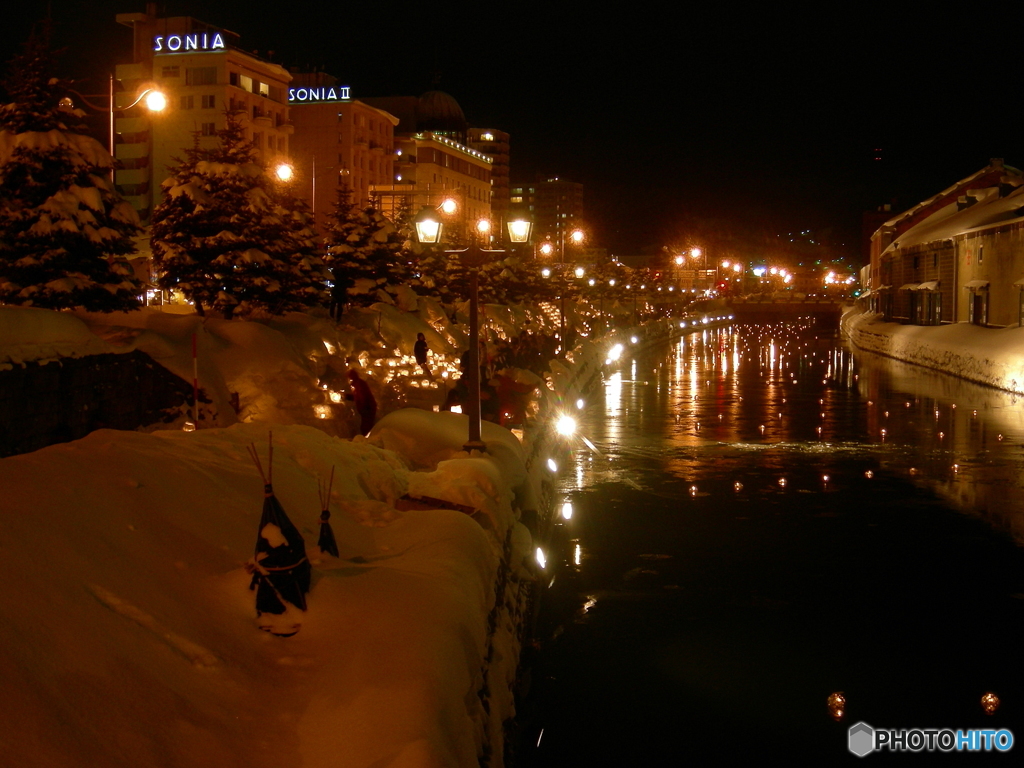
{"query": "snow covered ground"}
pixel 990 356
pixel 129 635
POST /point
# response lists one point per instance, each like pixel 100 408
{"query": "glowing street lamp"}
pixel 428 226
pixel 153 100
pixel 284 172
pixel 519 230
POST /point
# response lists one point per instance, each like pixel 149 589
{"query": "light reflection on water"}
pixel 732 401
pixel 745 531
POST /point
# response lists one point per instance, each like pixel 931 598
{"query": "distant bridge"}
pixel 760 309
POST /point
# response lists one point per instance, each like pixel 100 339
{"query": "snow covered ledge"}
pixel 129 636
pixel 990 356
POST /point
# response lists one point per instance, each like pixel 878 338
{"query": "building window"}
pixel 201 76
pixel 257 140
pixel 186 102
pixel 245 83
pixel 981 253
pixel 209 102
pixel 170 72
pixel 207 129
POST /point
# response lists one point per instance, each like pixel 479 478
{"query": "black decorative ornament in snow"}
pixel 280 569
pixel 326 542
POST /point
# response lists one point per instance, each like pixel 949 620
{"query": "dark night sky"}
pixel 752 120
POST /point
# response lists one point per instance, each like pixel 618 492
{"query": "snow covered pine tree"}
pixel 365 252
pixel 230 240
pixel 64 231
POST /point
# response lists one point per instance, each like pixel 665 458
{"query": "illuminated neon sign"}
pixel 326 93
pixel 184 43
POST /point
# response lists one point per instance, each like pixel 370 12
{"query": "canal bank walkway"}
pixel 990 356
pixel 130 635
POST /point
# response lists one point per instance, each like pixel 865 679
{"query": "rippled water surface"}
pixel 761 519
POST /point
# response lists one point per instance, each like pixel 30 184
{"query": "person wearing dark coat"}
pixel 365 402
pixel 420 351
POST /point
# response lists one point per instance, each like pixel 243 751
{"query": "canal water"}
pixel 756 518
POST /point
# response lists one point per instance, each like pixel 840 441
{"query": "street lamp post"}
pixel 155 100
pixel 428 231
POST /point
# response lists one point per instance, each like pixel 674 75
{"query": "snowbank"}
pixel 29 335
pixel 990 356
pixel 129 636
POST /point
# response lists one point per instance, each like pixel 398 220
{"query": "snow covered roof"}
pixel 1011 174
pixel 950 220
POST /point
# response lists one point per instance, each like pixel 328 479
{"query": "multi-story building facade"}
pixel 432 162
pixel 204 75
pixel 557 209
pixel 339 141
pixel 495 145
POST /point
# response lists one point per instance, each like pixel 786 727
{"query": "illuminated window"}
pixel 245 83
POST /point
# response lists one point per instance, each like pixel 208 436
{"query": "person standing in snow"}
pixel 365 402
pixel 420 351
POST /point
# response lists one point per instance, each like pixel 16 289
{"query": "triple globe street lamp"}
pixel 429 230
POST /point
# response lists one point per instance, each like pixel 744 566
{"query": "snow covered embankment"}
pixel 990 356
pixel 129 636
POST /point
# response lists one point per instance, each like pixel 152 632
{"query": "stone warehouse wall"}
pixel 67 399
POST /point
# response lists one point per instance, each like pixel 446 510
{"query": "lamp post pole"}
pixel 474 258
pixel 428 231
pixel 155 100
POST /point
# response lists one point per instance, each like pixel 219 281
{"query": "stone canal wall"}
pixel 993 357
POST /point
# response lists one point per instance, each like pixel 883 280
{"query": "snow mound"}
pixel 41 335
